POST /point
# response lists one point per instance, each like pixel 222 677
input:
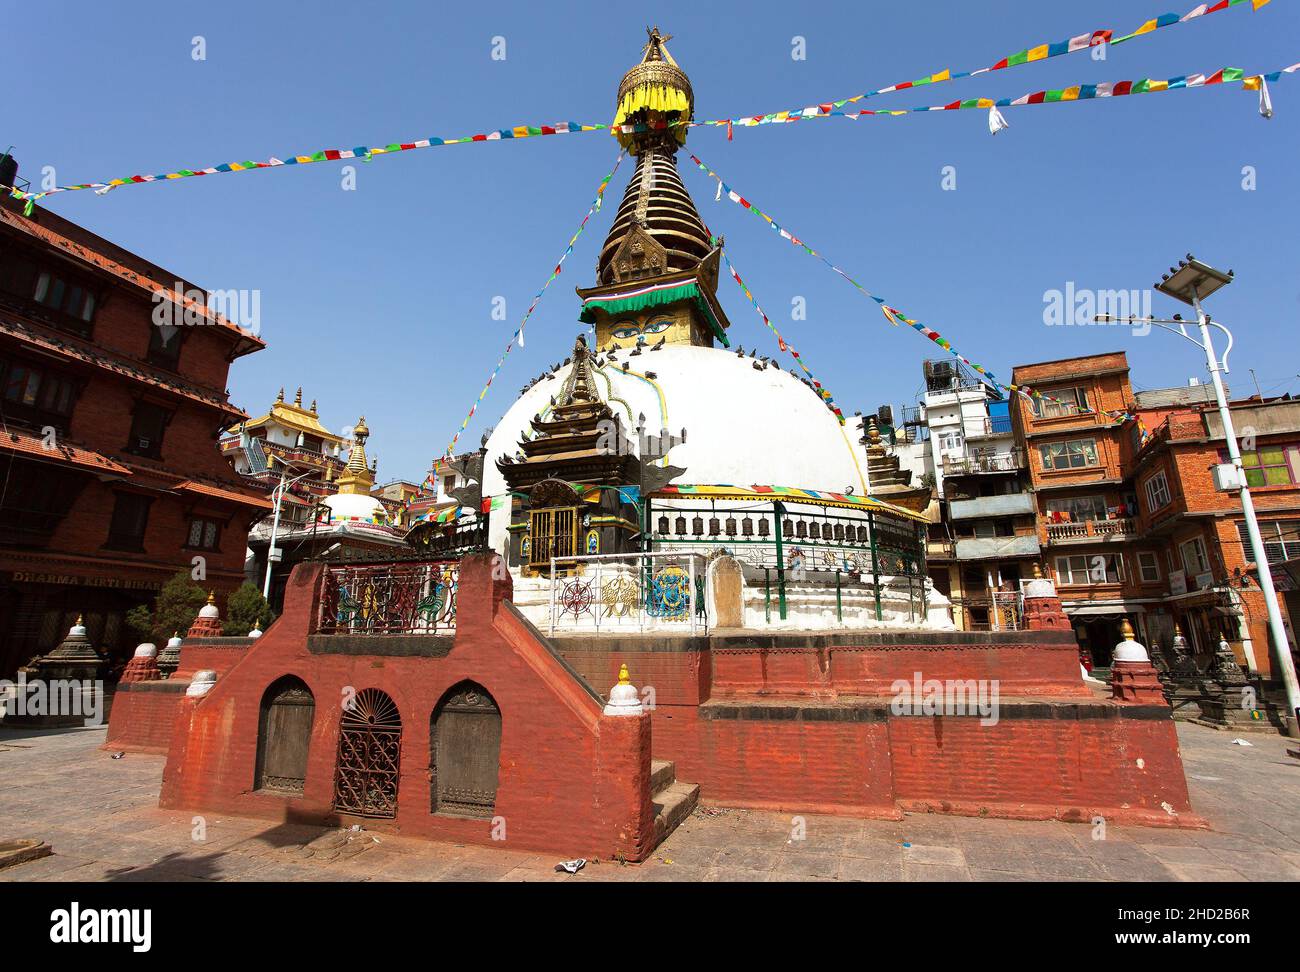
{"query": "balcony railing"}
pixel 402 598
pixel 998 462
pixel 993 425
pixel 1087 531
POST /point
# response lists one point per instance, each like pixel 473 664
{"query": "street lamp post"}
pixel 1191 282
pixel 278 492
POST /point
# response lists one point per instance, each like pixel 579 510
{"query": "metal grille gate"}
pixel 370 750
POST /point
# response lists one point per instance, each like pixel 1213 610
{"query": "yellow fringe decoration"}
pixel 655 97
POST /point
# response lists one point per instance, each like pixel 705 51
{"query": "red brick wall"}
pixel 143 716
pixel 1062 762
pixel 571 780
pixel 1070 769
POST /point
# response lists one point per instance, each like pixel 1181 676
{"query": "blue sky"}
pixel 379 300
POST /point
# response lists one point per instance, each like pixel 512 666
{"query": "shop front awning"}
pixel 1095 610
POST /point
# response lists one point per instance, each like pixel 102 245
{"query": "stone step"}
pixel 663 774
pixel 673 805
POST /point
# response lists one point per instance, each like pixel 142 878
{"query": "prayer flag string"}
pixel 892 314
pixel 817 386
pixel 518 335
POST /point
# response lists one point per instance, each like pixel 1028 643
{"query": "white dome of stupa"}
pixel 354 507
pixel 744 426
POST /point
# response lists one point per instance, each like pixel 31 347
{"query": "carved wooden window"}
pixel 284 735
pixel 554 533
pixel 464 752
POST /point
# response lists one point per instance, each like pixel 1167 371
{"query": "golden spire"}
pixel 1126 630
pixel 623 677
pixel 358 476
pixel 297 399
pixel 313 406
pixel 280 397
pixel 212 597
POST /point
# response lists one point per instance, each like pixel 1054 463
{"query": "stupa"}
pixel 657 436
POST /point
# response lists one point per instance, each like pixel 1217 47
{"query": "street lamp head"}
pixel 1192 280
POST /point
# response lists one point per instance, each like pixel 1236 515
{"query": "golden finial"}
pixel 79 619
pixel 1038 570
pixel 297 399
pixel 313 406
pixel 1126 630
pixel 1178 630
pixel 623 677
pixel 873 433
pixel 280 397
pixel 212 597
pixel 257 622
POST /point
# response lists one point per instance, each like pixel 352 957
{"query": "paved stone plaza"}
pixel 101 817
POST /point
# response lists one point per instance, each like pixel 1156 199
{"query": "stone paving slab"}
pixel 101 817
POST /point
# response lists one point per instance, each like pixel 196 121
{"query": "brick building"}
pixel 1128 517
pixel 1205 556
pixel 1087 513
pixel 112 478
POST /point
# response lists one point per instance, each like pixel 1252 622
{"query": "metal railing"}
pixel 399 598
pixel 992 425
pixel 630 592
pixel 997 462
pixel 1087 530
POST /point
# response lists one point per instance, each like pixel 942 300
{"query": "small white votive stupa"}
pixel 624 699
pixel 201 684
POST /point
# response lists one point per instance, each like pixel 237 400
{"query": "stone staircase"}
pixel 673 800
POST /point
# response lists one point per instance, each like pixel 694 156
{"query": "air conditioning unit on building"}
pixel 1226 477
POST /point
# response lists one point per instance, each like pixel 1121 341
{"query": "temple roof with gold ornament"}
pixel 295 417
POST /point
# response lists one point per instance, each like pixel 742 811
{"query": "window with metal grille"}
pixel 1090 569
pixel 1069 401
pixel 1074 454
pixel 1281 540
pixel 553 533
pixel 1157 488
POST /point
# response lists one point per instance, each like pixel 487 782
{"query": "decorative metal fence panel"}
pixel 631 592
pixel 398 598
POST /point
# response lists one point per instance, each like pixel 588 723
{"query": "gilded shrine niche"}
pixel 639 255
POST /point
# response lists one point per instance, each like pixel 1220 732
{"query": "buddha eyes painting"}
pixel 627 330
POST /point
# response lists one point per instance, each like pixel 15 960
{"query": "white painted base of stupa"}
pixel 810 606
